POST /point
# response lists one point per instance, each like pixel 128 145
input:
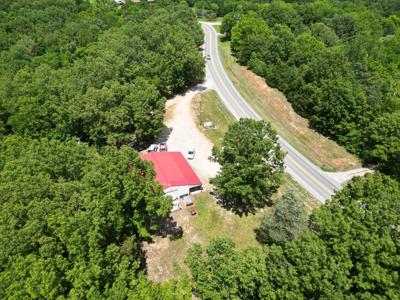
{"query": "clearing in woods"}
pixel 165 255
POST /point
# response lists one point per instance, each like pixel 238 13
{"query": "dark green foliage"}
pixel 228 22
pixel 286 222
pixel 359 227
pixel 250 35
pixel 383 142
pixel 280 12
pixel 101 73
pixel 219 8
pixel 251 165
pixel 222 272
pixel 336 61
pixel 351 250
pixel 71 217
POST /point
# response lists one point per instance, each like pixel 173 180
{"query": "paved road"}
pixel 313 179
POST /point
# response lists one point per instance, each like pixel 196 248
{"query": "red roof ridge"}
pixel 172 169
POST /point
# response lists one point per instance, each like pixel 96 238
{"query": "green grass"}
pixel 214 221
pixel 272 105
pixel 208 107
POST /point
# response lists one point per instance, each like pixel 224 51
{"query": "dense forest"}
pixel 338 63
pixel 97 73
pixel 77 82
pixel 81 82
pixel 350 250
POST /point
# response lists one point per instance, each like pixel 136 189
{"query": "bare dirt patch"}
pixel 165 254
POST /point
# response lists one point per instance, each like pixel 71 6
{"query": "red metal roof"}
pixel 172 169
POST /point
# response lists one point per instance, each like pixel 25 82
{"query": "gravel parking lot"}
pixel 182 134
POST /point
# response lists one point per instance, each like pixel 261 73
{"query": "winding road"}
pixel 312 178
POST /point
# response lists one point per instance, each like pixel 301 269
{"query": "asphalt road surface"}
pixel 312 178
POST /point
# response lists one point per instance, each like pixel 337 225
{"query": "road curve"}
pixel 312 178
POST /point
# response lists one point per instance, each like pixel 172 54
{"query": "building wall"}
pixel 178 191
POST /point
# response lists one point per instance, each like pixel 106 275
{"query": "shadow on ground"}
pixel 237 208
pixel 169 228
pixel 164 135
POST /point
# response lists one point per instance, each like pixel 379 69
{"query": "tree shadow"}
pixel 198 88
pixel 164 135
pixel 168 228
pixel 239 209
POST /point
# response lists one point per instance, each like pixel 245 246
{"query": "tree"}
pixel 72 218
pixel 281 12
pixel 228 22
pixel 351 250
pixel 250 34
pixel 101 73
pixel 339 114
pixel 251 165
pixel 286 222
pixel 382 146
pixel 220 271
pixel 324 33
pixel 359 226
pixel 317 11
pixel 338 65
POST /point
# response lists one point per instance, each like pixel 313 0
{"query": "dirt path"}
pixel 181 134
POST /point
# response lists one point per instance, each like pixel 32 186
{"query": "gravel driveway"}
pixel 181 134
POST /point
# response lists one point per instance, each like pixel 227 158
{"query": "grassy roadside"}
pixel 274 107
pixel 208 107
pixel 212 109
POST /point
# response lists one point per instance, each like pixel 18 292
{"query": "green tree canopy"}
pixel 101 74
pixel 351 250
pixel 286 222
pixel 220 271
pixel 250 34
pixel 251 165
pixel 383 143
pixel 71 217
pixel 337 62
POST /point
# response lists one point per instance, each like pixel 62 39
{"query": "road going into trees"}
pixel 312 178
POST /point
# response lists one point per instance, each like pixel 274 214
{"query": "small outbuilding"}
pixel 174 173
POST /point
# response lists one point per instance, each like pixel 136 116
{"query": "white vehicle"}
pixel 190 153
pixel 152 148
